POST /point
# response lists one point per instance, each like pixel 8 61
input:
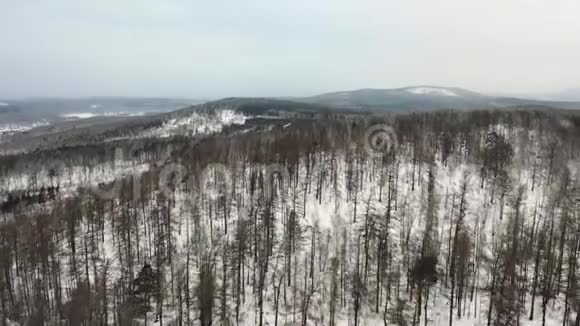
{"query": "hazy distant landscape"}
pixel 27 110
pixel 22 115
pixel 302 163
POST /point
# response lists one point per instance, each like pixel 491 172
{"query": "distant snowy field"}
pixel 88 115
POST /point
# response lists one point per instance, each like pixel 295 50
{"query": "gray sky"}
pixel 219 48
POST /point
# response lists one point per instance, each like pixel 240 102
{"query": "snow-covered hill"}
pixel 426 98
pixel 197 123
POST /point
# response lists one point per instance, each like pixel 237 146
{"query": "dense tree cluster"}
pixel 472 216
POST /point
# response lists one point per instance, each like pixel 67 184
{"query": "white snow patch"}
pixel 432 91
pixel 13 128
pixel 70 178
pixel 197 123
pixel 123 114
pixel 4 104
pixel 11 323
pixel 82 115
pixel 88 115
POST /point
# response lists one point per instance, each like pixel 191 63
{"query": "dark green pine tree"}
pixel 145 286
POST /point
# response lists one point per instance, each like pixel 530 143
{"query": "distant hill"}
pixel 259 106
pixel 8 108
pixel 424 98
pixel 572 94
pixel 92 123
pixel 61 109
pixel 197 120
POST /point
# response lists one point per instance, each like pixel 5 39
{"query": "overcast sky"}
pixel 218 48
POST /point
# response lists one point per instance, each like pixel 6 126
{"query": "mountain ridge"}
pixel 424 98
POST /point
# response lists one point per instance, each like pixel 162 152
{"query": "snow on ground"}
pixel 4 104
pixel 334 211
pixel 71 178
pixel 13 128
pixel 197 123
pixel 169 319
pixel 11 323
pixel 431 91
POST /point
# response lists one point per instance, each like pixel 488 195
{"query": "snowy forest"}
pixel 436 218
